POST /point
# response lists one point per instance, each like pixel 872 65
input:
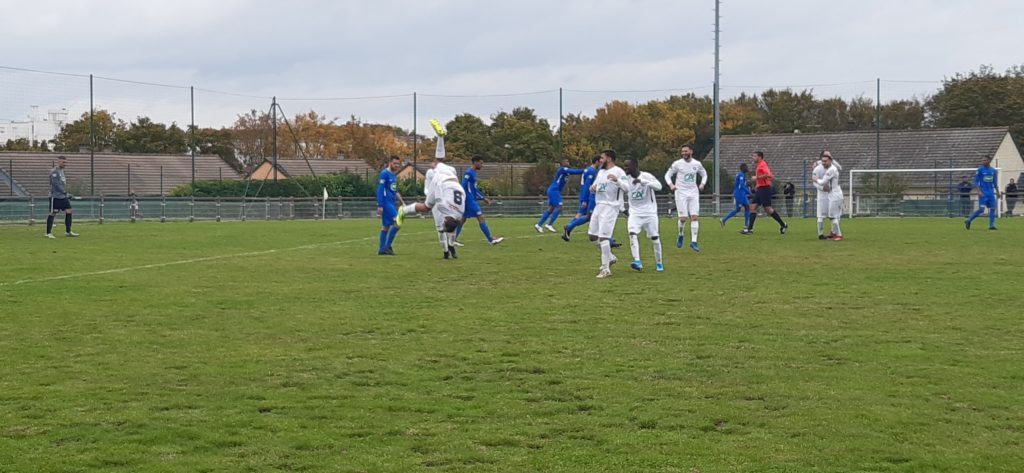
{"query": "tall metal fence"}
pixel 30 211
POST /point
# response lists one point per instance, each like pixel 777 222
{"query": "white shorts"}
pixel 647 223
pixel 602 221
pixel 687 205
pixel 823 205
pixel 835 207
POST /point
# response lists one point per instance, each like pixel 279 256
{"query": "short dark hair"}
pixel 62 158
pixel 610 153
pixel 687 145
pixel 759 154
pixel 450 224
pixel 595 159
pixel 744 168
pixel 477 158
pixel 394 158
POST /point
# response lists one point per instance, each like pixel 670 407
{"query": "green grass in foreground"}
pixel 898 350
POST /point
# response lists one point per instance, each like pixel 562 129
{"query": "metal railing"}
pixel 30 210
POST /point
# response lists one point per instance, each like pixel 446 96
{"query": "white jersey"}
pixel 608 192
pixel 684 175
pixel 642 201
pixel 816 176
pixel 830 181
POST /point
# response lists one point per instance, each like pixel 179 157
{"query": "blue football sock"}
pixel 975 214
pixel 487 231
pixel 729 215
pixel 554 215
pixel 383 241
pixel 543 217
pixel 991 218
pixel 458 231
pixel 746 217
pixel 391 236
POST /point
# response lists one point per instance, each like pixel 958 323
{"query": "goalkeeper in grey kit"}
pixel 59 199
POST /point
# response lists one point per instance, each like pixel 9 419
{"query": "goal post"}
pixel 919 186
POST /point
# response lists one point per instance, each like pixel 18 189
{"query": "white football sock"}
pixel 443 238
pixel 657 250
pixel 606 253
pixel 835 226
pixel 821 226
pixel 634 246
pixel 694 225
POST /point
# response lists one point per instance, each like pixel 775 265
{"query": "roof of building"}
pixel 115 174
pixel 790 155
pixel 299 167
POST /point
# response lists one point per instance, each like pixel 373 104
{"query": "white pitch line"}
pixel 186 261
pixel 200 260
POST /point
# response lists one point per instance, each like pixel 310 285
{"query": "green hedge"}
pixel 338 185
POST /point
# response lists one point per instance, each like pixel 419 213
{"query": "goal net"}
pixel 937 192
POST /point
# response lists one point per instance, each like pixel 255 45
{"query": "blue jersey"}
pixel 589 174
pixel 561 177
pixel 985 181
pixel 387 189
pixel 473 192
pixel 740 190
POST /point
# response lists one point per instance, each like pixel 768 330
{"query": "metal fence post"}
pixel 102 205
pixel 192 209
pixel 266 214
pixel 243 208
pixel 218 209
pixel 339 207
pixel 291 208
pixel 280 207
pixel 163 209
pixel 31 211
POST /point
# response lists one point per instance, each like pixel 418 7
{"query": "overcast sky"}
pixel 346 48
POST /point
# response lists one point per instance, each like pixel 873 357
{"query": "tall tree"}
pixel 75 135
pixel 146 136
pixel 982 98
pixel 529 136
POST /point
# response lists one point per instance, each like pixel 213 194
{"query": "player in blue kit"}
pixel 740 194
pixel 387 208
pixel 555 197
pixel 473 195
pixel 586 199
pixel 985 181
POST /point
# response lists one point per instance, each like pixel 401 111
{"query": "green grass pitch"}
pixel 291 346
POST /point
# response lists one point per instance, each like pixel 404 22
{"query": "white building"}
pixel 35 127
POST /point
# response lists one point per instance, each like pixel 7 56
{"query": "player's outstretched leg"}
pixel 973 216
pixel 67 224
pixel 991 218
pixel 49 225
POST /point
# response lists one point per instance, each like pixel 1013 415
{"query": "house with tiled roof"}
pixel 791 155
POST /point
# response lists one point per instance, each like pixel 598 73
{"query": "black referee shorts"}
pixel 763 196
pixel 57 205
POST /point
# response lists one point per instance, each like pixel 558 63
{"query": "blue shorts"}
pixel 988 201
pixel 387 217
pixel 554 198
pixel 741 200
pixel 472 209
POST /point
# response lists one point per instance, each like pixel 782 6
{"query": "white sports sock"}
pixel 821 226
pixel 451 239
pixel 443 238
pixel 835 226
pixel 606 253
pixel 694 225
pixel 634 246
pixel 657 250
pixel 410 209
pixel 680 228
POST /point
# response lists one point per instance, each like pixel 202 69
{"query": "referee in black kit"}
pixel 59 199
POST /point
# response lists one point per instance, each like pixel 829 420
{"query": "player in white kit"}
pixel 829 185
pixel 445 198
pixel 818 173
pixel 643 213
pixel 609 187
pixel 682 179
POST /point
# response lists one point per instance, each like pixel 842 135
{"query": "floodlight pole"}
pixel 415 139
pixel 192 146
pixel 718 124
pixel 878 132
pixel 92 142
pixel 273 139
